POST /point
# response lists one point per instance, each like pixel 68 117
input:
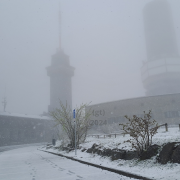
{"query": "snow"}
pixel 28 163
pixel 148 168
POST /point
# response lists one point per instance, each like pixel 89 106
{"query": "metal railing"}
pixel 104 135
pixel 121 133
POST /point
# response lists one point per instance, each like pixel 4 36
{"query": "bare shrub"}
pixel 141 129
pixel 61 135
pixel 63 117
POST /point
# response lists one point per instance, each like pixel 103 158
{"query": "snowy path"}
pixel 7 148
pixel 28 163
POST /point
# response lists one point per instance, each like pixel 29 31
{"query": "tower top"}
pixel 59 18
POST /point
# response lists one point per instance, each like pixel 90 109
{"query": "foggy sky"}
pixel 103 38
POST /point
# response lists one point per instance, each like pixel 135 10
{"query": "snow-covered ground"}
pixel 28 163
pixel 147 168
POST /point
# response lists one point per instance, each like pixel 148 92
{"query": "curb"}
pixel 120 172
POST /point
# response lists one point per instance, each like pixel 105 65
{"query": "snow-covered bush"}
pixel 63 117
pixel 141 129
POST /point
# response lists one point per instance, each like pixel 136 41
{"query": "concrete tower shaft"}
pixel 159 31
pixel 161 72
pixel 60 73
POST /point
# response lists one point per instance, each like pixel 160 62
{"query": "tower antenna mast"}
pixel 4 102
pixel 59 26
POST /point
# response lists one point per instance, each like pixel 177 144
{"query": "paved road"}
pixel 7 148
pixel 28 163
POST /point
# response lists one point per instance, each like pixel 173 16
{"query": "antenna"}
pixel 59 27
pixel 4 102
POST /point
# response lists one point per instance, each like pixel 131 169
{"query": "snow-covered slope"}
pixel 148 168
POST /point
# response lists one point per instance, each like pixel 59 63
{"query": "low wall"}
pixel 23 130
pixel 165 109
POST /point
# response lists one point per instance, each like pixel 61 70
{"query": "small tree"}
pixel 63 117
pixel 141 129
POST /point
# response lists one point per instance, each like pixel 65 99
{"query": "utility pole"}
pixel 74 118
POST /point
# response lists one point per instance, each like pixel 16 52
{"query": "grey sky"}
pixel 104 39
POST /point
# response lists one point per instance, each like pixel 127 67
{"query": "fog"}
pixel 104 39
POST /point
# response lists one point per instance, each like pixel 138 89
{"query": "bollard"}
pixel 166 126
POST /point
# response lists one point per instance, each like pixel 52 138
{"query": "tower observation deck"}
pixel 161 72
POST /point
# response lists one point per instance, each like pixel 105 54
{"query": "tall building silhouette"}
pixel 60 73
pixel 161 72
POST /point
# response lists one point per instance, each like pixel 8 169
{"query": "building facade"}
pixel 164 108
pixel 23 129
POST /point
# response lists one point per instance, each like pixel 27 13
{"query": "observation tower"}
pixel 161 72
pixel 60 73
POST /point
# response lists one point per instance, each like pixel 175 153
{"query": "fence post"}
pixel 166 126
pixel 179 126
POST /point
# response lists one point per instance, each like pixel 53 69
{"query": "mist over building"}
pixel 160 75
pixel 161 72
